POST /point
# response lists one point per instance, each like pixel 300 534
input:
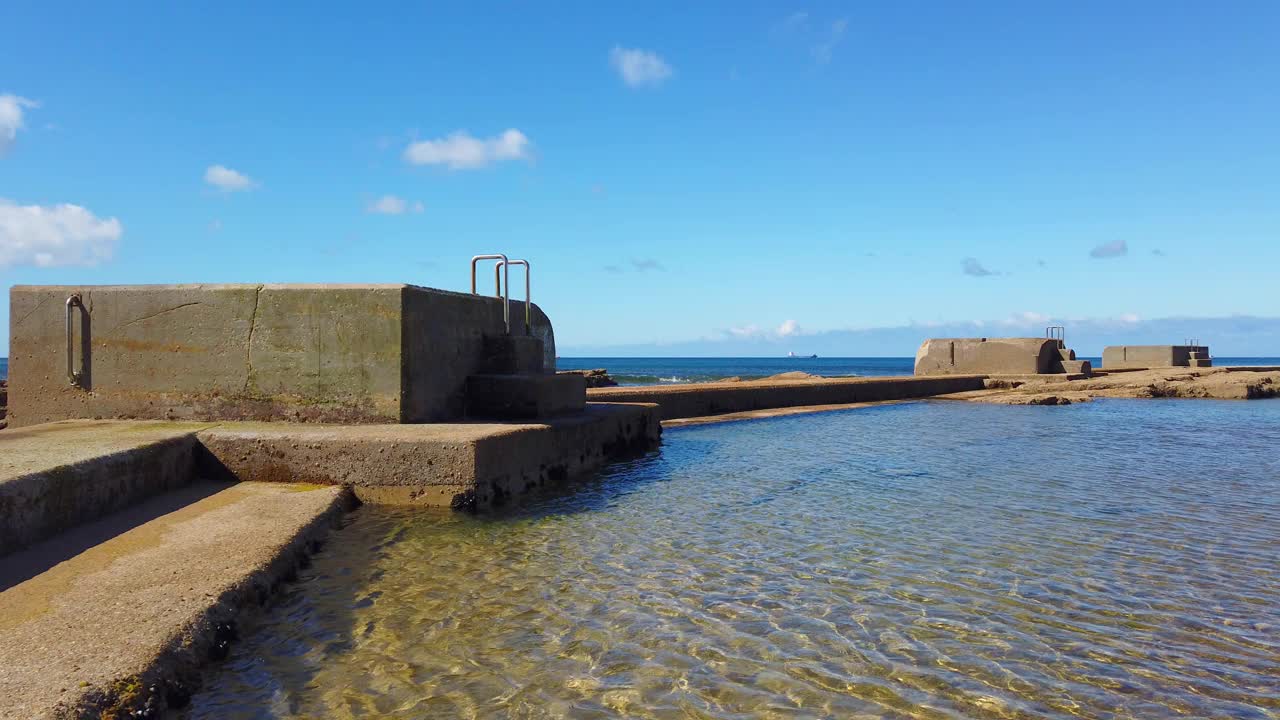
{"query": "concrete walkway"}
pixel 701 400
pixel 117 615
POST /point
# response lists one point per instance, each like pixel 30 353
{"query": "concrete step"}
pixel 1066 353
pixel 1200 362
pixel 510 354
pixel 1077 367
pixel 56 476
pixel 115 618
pixel 524 396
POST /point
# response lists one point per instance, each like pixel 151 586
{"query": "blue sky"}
pixel 679 176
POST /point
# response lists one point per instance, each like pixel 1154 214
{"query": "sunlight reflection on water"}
pixel 1113 559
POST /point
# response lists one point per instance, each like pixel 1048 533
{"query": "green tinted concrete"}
pixel 320 353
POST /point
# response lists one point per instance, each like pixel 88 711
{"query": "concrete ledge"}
pixel 460 465
pixel 124 625
pixel 703 399
pixel 59 475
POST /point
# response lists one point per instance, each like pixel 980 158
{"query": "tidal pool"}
pixel 931 560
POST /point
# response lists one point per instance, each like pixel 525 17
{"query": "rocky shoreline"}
pixel 1223 383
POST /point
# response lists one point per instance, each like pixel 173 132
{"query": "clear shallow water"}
pixel 659 371
pixel 1112 559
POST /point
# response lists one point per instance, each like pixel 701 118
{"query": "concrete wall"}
pixel 994 356
pixel 1118 357
pixel 444 343
pixel 331 353
pixel 686 401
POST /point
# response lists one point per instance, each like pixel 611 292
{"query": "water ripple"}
pixel 932 560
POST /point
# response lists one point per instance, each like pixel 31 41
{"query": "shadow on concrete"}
pixel 26 564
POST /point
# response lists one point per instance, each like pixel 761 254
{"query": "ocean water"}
pixel 4 368
pixel 928 560
pixel 659 371
pixel 655 371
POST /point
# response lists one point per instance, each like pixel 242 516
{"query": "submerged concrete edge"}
pixel 177 671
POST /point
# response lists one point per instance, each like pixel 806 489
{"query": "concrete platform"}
pixel 118 615
pixel 705 399
pixel 460 465
pixel 56 476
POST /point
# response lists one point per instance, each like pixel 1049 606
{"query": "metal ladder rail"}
pixel 73 376
pixel 528 296
pixel 506 296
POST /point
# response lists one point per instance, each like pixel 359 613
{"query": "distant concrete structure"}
pixel 998 356
pixel 321 353
pixel 1127 357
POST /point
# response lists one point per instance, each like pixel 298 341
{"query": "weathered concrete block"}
pixel 525 396
pixel 1121 357
pixel 512 354
pixel 333 353
pixel 56 476
pixel 463 465
pixel 989 356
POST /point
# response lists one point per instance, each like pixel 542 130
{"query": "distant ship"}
pixel 794 356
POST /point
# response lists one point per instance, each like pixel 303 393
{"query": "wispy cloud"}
pixel 55 235
pixel 788 329
pixel 1113 249
pixel 639 68
pixel 392 205
pixel 823 50
pixel 646 264
pixel 972 267
pixel 228 180
pixel 11 118
pixel 613 269
pixel 461 151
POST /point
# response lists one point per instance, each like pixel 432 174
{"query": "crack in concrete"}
pixel 33 312
pixel 248 345
pixel 147 317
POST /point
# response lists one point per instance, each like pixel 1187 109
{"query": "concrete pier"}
pixel 707 399
pixel 1128 357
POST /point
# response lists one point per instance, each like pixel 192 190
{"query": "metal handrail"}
pixel 1056 332
pixel 73 375
pixel 528 297
pixel 506 296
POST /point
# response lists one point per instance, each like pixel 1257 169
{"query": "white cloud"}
pixel 788 328
pixel 639 68
pixel 54 235
pixel 392 205
pixel 11 107
pixel 228 180
pixel 461 151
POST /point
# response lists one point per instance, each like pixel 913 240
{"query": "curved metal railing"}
pixel 506 296
pixel 528 297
